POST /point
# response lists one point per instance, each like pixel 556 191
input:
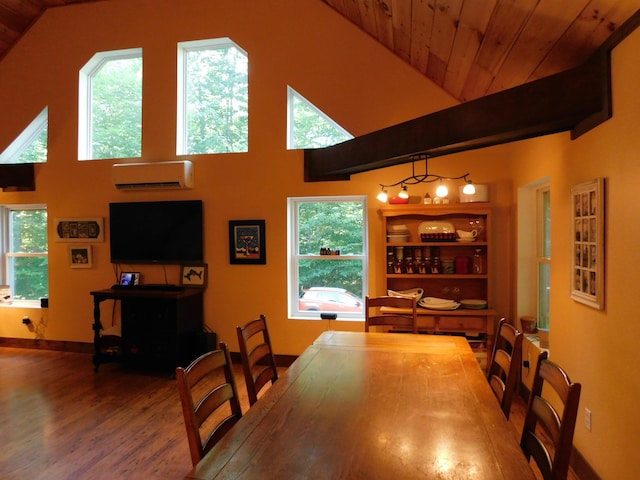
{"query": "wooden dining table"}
pixel 373 406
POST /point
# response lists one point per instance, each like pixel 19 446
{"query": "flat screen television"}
pixel 167 232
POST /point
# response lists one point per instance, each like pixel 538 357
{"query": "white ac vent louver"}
pixel 153 175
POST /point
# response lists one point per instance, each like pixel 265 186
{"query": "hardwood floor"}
pixel 61 420
pixel 516 418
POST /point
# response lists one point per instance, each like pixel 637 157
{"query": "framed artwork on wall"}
pixel 80 256
pixel 5 294
pixel 247 242
pixel 79 230
pixel 193 275
pixel 588 237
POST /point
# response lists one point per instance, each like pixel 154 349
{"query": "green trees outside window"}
pixel 213 105
pixel 27 265
pixel 321 225
pixel 116 109
pixel 309 127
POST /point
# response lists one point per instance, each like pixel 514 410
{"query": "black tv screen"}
pixel 169 232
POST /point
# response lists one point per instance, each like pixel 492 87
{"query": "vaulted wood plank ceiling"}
pixel 471 48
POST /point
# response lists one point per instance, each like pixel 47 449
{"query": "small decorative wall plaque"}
pixel 79 230
pixel 193 276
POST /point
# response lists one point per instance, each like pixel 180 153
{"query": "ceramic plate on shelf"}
pixel 473 304
pixel 453 306
pixel 434 303
pixel 436 226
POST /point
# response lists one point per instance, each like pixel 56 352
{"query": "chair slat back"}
pixel 402 320
pixel 504 366
pixel 558 427
pixel 205 386
pixel 258 361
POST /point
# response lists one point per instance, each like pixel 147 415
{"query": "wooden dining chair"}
pixel 558 427
pixel 374 317
pixel 258 360
pixel 205 386
pixel 504 365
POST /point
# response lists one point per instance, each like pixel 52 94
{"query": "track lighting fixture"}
pixel 383 196
pixel 469 188
pixel 442 190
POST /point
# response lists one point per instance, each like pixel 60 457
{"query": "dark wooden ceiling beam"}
pixel 577 99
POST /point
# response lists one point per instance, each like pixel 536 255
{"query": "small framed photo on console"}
pixel 193 276
pixel 130 278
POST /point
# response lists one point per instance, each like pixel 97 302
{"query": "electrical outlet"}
pixel 587 418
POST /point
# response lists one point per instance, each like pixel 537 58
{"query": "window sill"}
pixel 22 304
pixel 317 318
pixel 534 339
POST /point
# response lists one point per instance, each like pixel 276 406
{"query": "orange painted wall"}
pixel 304 44
pixel 599 348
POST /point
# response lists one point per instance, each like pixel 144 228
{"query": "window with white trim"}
pixel 310 127
pixel 110 106
pixel 31 145
pixel 543 254
pixel 24 252
pixel 328 256
pixel 534 252
pixel 213 97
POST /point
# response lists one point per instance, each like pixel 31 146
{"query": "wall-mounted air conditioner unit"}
pixel 153 175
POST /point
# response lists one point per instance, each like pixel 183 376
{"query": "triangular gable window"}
pixel 309 127
pixel 31 145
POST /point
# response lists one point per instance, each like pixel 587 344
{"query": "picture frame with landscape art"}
pixel 587 240
pixel 247 242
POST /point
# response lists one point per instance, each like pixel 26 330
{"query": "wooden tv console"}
pixel 161 329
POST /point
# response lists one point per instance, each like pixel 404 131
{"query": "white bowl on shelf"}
pixel 397 237
pixel 413 292
pixel 434 303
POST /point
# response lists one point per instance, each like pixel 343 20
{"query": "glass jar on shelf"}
pixel 447 265
pixel 410 265
pixel 478 224
pixel 435 265
pixel 478 262
pixel 398 263
pixel 423 267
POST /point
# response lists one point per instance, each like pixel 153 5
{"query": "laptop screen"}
pixel 129 278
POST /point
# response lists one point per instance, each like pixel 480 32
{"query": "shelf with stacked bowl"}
pixel 432 247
